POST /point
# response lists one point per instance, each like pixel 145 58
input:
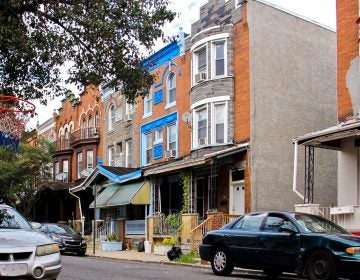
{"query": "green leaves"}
pixel 101 37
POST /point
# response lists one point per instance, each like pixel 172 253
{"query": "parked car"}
pixel 24 251
pixel 68 239
pixel 278 242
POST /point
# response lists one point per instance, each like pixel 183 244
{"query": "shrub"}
pixel 113 237
pixel 191 257
pixel 169 240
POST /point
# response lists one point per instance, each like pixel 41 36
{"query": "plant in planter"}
pixel 112 243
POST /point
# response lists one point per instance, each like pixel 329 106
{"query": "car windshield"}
pixel 11 219
pixel 317 224
pixel 61 229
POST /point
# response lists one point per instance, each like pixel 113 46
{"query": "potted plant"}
pixel 112 243
pixel 165 246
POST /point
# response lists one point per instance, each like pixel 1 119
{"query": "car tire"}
pixel 320 266
pixel 221 263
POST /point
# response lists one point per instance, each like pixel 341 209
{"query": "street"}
pixel 93 268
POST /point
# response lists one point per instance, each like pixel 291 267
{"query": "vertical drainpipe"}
pixel 81 216
pixel 295 170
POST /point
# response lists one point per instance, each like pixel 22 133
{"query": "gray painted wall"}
pixel 293 92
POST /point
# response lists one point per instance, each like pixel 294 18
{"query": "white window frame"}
pixel 79 164
pixel 65 166
pixel 111 155
pixel 159 135
pixel 168 89
pixel 195 62
pixel 128 151
pixel 111 117
pixel 128 108
pixel 148 148
pixel 90 159
pixel 169 127
pixel 195 126
pixel 213 58
pixel 148 105
pixel 214 116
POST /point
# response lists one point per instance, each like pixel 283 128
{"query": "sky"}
pixel 188 11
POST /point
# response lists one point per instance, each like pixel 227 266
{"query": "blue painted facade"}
pixel 162 56
pixel 158 96
pixel 158 149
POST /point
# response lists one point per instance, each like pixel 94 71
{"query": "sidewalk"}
pixel 133 255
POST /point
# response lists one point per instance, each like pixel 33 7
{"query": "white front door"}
pixel 238 198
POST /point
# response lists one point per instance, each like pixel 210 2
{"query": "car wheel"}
pixel 221 263
pixel 321 266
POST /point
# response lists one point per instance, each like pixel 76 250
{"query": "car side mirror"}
pixel 287 228
pixel 35 225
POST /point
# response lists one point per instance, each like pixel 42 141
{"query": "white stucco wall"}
pixel 348 176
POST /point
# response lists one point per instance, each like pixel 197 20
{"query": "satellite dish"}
pixel 86 172
pixel 186 117
pixel 61 176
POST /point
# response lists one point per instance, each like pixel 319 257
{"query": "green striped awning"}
pixel 103 197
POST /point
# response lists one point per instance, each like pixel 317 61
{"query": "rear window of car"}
pixel 249 223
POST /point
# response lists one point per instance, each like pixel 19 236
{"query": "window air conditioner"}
pixel 171 154
pixel 202 141
pixel 200 77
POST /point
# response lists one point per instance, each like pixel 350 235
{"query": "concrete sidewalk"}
pixel 133 255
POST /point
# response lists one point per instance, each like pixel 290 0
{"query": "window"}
pixel 79 164
pixel 57 167
pixel 200 65
pixel 250 223
pixel 96 119
pixel 273 223
pixel 65 169
pixel 128 108
pixel 111 155
pixel 158 135
pixel 201 120
pixel 147 104
pixel 90 122
pixel 219 125
pixel 172 137
pixel 128 151
pixel 90 159
pixel 148 148
pixel 219 59
pixel 111 117
pixel 171 89
pixel 201 61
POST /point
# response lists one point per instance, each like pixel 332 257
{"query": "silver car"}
pixel 25 252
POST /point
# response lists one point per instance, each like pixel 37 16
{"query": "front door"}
pixel 238 198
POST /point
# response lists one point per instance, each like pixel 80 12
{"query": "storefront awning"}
pixel 137 193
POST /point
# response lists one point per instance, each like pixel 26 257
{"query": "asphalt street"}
pixel 95 268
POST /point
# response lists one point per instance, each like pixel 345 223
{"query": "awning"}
pixel 105 196
pixel 137 193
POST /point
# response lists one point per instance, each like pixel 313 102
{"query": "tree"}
pixel 24 173
pixel 101 38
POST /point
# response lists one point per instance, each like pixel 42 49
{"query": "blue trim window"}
pixel 171 90
pixel 148 148
pixel 172 139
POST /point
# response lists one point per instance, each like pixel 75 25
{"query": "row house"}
pixel 225 103
pixel 78 127
pixel 342 137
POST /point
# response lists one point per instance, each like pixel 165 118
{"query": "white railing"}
pixel 135 227
pixel 103 231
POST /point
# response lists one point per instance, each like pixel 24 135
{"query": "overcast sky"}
pixel 321 11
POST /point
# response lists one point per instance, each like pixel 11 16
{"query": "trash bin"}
pixel 147 245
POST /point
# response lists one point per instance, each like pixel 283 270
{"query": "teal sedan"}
pixel 277 242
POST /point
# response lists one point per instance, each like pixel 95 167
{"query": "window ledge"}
pixel 170 105
pixel 147 115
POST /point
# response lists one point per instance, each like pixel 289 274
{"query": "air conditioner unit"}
pixel 200 77
pixel 202 141
pixel 171 154
pixel 128 118
pixel 94 131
